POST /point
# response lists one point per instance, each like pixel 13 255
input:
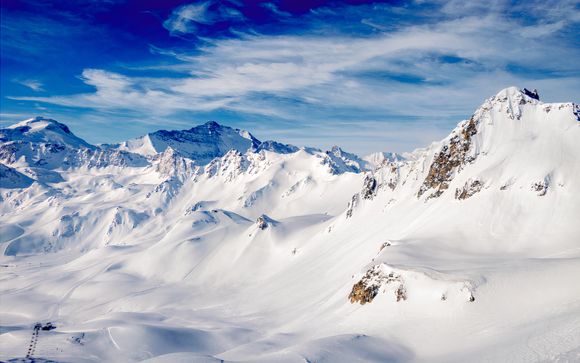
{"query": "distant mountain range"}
pixel 210 243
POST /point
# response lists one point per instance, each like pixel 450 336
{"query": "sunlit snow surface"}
pixel 159 258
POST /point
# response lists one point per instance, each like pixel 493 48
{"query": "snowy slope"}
pixel 12 179
pixel 377 159
pixel 466 250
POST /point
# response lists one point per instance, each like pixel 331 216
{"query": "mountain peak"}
pixel 201 143
pixel 42 129
pixel 40 122
pixel 342 161
pixel 211 124
pixel 514 93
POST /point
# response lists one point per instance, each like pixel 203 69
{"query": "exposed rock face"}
pixel 404 284
pixel 541 187
pixel 363 294
pixel 369 187
pixel 468 190
pixel 401 293
pixel 263 221
pixel 340 161
pixel 532 94
pixel 171 164
pixel 54 156
pixel 388 175
pixel 448 160
pixel 232 164
pixel 384 245
pixel 352 205
pixel 368 287
pixel 394 179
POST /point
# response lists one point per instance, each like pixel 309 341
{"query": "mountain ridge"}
pixel 157 257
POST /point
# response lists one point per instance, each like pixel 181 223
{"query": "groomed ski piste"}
pixel 209 245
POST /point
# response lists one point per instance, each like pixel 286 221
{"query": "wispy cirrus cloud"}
pixel 274 9
pixel 411 66
pixel 33 84
pixel 188 18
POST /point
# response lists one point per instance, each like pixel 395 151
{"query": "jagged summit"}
pixel 533 94
pixel 342 161
pixel 515 92
pixel 42 130
pixel 277 147
pixel 510 131
pixel 50 144
pixel 201 143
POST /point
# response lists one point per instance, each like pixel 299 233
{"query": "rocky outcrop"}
pixel 369 187
pixel 393 181
pixel 407 283
pixel 532 94
pixel 365 290
pixel 384 245
pixel 263 222
pixel 541 188
pixel 468 190
pixel 362 294
pixel 339 161
pixel 352 205
pixel 450 159
pixel 231 165
pixel 171 164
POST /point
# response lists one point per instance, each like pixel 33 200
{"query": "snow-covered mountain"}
pixel 42 130
pixel 203 142
pixel 40 144
pixel 209 245
pixel 379 158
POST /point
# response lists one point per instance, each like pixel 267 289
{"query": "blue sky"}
pixel 368 76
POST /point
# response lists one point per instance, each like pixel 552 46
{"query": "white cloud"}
pixel 542 30
pixel 183 20
pixel 33 84
pixel 273 8
pixel 187 18
pixel 401 74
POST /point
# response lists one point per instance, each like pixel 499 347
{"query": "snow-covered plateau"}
pixel 209 245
